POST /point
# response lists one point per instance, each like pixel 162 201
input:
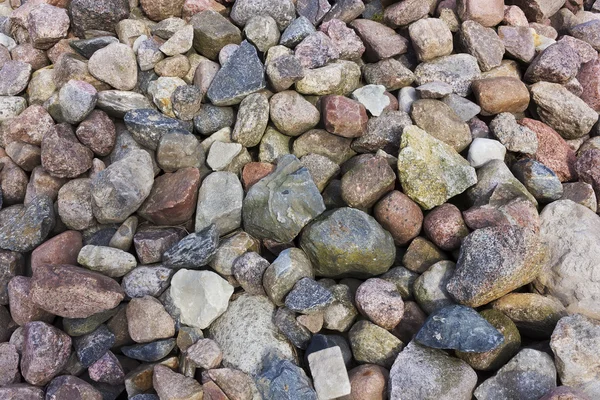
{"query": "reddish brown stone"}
pixel 343 116
pixel 61 249
pixel 213 392
pixel 22 309
pixel 205 353
pixel 73 292
pixel 368 382
pixel 380 41
pixel 553 151
pixel 107 369
pixel 172 200
pixel 171 385
pixel 25 155
pixel 47 25
pixel 62 154
pixel 97 132
pixel 367 182
pixel 193 7
pixel 21 391
pixel 70 387
pixel 565 393
pixel 445 227
pixel 9 364
pixel 254 172
pixel 379 300
pixel 13 181
pixel 501 94
pixel 393 106
pixel 517 212
pixel 27 53
pixel 486 12
pixel 411 323
pixel 42 183
pixel 401 216
pixel 589 78
pixel 157 10
pixel 60 48
pixel 150 244
pixel 46 350
pixel 11 264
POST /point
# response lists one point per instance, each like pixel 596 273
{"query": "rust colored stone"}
pixel 22 309
pixel 254 172
pixel 401 216
pixel 343 116
pixel 501 94
pixel 61 249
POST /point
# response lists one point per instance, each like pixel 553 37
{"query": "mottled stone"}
pixel 292 114
pixel 14 77
pixel 71 387
pixel 147 320
pixel 458 70
pixel 431 38
pixel 173 386
pixel 441 122
pixel 22 309
pixel 63 156
pixel 45 352
pixel 23 228
pixel 482 43
pixel 557 63
pixel 343 116
pixel 379 301
pixel 193 251
pixel 220 202
pixel 367 182
pixel 116 65
pixel 282 12
pixel 340 77
pixel 92 346
pixel 539 180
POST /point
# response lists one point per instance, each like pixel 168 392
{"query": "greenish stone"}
pixel 494 359
pixel 288 268
pixel 348 242
pixel 431 172
pixel 83 326
pixel 403 278
pixel 273 145
pixel 430 288
pixel 374 345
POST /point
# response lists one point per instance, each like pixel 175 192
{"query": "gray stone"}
pixel 147 281
pixel 116 103
pixel 186 101
pixel 194 250
pixel 100 15
pixel 340 77
pixel 527 376
pixel 282 380
pixel 346 242
pixel 297 334
pixel 222 155
pixel 220 202
pixel 120 189
pixel 212 32
pixel 116 65
pixel 588 32
pixel 149 54
pixel 179 150
pixel 329 373
pixel 458 70
pixel 459 328
pixel 246 333
pixel 284 71
pixel 212 118
pixel 147 126
pixel 180 42
pixel 513 136
pixel 283 12
pixel 150 352
pixel 87 47
pixel 482 43
pixel 289 267
pixel 340 315
pixel 465 109
pixel 262 31
pixel 383 133
pixel 373 98
pixel 430 287
pixel 243 74
pixel 252 119
pixel 308 297
pixel 231 248
pixel 77 99
pixel 23 228
pixel 106 260
pixel 14 77
pixel 297 30
pixel 571 233
pixel 281 204
pixel 421 372
pixel 539 180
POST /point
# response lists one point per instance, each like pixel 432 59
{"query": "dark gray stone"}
pixel 82 326
pixel 278 206
pixel 348 242
pixel 297 334
pixel 91 347
pixel 87 47
pixel 283 380
pixel 150 352
pixel 539 180
pixel 241 75
pixel 299 29
pixel 145 396
pixel 147 126
pixel 194 250
pixel 22 229
pixel 308 297
pixel 101 237
pixel 282 11
pixel 313 10
pixel 100 15
pixel 212 118
pixel 459 328
pixel 117 102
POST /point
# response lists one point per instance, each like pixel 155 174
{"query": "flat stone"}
pixel 381 42
pixel 340 77
pixel 82 326
pixel 513 136
pixel 417 371
pixel 200 296
pixel 150 352
pixel 242 75
pixel 308 297
pixel 147 320
pixel 427 186
pixel 73 292
pixel 292 114
pixel 245 333
pixel 27 227
pixel 87 47
pixel 106 260
pixel 570 116
pixel 220 202
pixel 297 192
pixel 45 352
pixel 516 260
pixel 372 97
pixel 528 375
pixel 329 373
pixel 117 102
pixel 390 73
pixel 147 126
pixel 14 77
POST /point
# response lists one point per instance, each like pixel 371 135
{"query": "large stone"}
pixel 282 380
pixel 423 373
pixel 346 242
pixel 193 251
pixel 457 70
pixel 241 75
pixel 106 260
pixel 73 292
pixel 329 373
pixel 431 171
pixel 212 32
pixel 494 261
pixel 278 206
pixel 283 12
pixel 220 202
pixel 527 376
pixel 116 65
pixel 200 296
pixel 441 122
pixel 45 352
pixel 100 15
pixel 148 126
pixel 120 189
pixel 571 233
pixel 24 228
pixel 62 154
pixel 173 386
pixel 246 333
pixel 562 110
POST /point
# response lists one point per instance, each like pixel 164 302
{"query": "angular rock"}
pixel 379 301
pixel 148 126
pixel 62 154
pixel 45 352
pixel 482 43
pixel 501 94
pixel 539 180
pixel 220 202
pixel 27 227
pixel 308 297
pixel 172 386
pixel 193 251
pixel 147 320
pixel 513 136
pixel 92 346
pixel 458 70
pixel 329 373
pixel 441 122
pixel 557 63
pixel 106 260
pixel 281 379
pixel 73 387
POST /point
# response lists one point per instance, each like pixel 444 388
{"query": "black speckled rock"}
pixel 194 250
pixel 308 297
pixel 91 347
pixel 87 47
pixel 97 15
pixel 300 28
pixel 149 352
pixel 240 76
pixel 147 126
pixel 283 380
pixel 539 180
pixel 212 118
pixel 297 334
pixel 278 206
pixel 348 242
pixel 460 328
pixel 23 228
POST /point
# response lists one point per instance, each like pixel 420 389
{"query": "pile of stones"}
pixel 299 199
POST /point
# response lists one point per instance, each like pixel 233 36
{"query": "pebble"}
pixel 373 344
pixel 200 296
pixel 308 297
pixel 379 301
pixel 528 375
pixel 441 122
pixel 483 150
pixel 445 226
pixel 63 156
pixel 429 289
pixel 147 320
pixel 45 352
pixel 292 114
pixel 501 94
pixel 150 352
pixel 401 216
pixel 372 97
pixel 14 77
pixel 341 77
pixel 364 184
pixel 539 180
pixel 106 260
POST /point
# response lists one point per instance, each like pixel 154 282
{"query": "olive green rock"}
pixel 431 171
pixel 348 242
pixel 494 359
pixel 373 345
pixel 212 32
pixel 403 278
